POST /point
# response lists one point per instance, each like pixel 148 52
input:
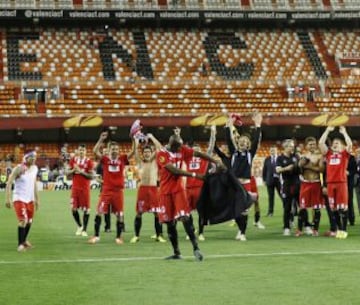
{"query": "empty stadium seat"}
pixel 168 71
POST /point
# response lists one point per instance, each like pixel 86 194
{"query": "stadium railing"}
pixel 287 5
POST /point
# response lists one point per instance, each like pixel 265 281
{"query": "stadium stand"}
pixel 159 70
pixel 165 71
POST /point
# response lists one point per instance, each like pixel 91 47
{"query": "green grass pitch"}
pixel 63 269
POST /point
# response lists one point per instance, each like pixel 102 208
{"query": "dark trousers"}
pixel 351 211
pixel 290 197
pixel 271 194
pixel 287 204
pixel 357 193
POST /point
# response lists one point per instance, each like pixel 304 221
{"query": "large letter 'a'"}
pixel 242 71
pixel 141 64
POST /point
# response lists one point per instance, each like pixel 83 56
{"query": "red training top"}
pixel 80 181
pixel 113 172
pixel 336 166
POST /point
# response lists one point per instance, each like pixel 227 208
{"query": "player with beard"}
pixel 112 193
pixel 311 166
pixel 147 197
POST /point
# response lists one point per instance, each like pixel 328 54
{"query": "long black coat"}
pixel 222 198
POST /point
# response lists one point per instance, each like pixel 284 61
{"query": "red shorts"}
pixel 193 195
pixel 147 199
pixel 24 211
pixel 253 186
pixel 113 199
pixel 311 195
pixel 173 206
pixel 247 186
pixel 80 199
pixel 338 195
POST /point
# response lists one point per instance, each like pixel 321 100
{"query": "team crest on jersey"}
pixel 334 161
pixel 161 159
pixel 114 168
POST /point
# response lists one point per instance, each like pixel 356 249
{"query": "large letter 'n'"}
pixel 141 64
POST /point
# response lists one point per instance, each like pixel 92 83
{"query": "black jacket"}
pixel 269 171
pixel 222 198
pixel 241 161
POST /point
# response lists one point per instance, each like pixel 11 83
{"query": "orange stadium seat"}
pixel 84 62
pixel 183 75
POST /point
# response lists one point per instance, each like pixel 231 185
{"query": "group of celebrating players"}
pixel 164 191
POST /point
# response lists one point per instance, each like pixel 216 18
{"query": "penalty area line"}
pixel 154 258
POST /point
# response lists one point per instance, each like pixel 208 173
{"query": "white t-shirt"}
pixel 24 186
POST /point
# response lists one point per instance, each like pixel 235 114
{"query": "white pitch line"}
pixel 213 256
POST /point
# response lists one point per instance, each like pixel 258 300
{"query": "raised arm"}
pixel 98 144
pixel 137 158
pixel 257 118
pixel 211 140
pixel 177 131
pixel 155 141
pixel 134 148
pixel 229 136
pixel 348 141
pixel 322 141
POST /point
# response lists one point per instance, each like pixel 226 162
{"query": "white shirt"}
pixel 24 186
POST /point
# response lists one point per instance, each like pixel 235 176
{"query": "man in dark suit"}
pixel 271 178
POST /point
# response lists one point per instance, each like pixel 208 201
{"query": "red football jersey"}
pixel 85 164
pixel 170 183
pixel 199 166
pixel 336 166
pixel 113 172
